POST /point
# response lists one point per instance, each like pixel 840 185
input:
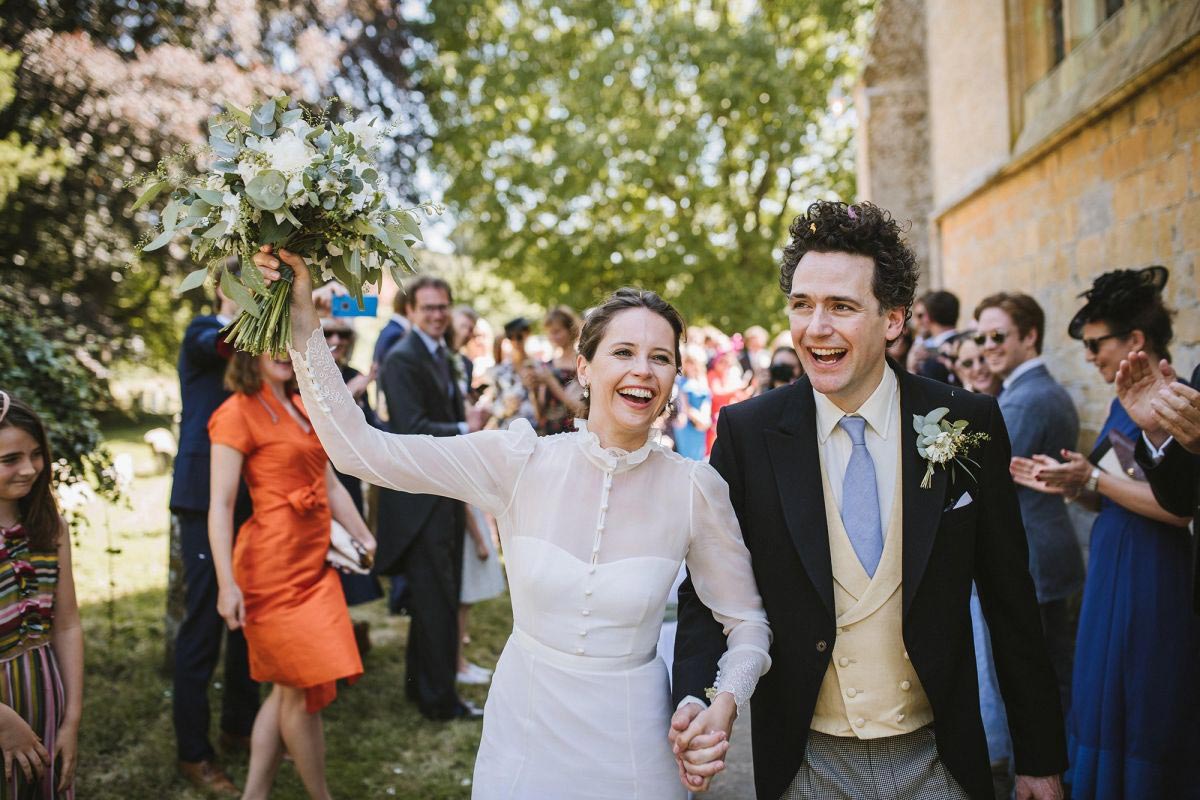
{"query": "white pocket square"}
pixel 963 501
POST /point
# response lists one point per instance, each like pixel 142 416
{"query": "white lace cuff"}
pixel 738 672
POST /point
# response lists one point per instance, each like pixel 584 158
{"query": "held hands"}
pixel 481 551
pixel 1030 787
pixel 700 739
pixel 231 607
pixel 22 745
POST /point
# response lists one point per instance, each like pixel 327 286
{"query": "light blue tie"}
pixel 860 498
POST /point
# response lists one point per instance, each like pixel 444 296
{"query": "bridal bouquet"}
pixel 279 175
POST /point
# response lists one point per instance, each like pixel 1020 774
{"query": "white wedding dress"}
pixel 580 703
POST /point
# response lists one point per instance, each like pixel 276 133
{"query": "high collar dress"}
pixel 593 538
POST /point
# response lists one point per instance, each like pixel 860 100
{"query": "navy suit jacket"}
pixel 202 389
pixel 418 403
pixel 1041 418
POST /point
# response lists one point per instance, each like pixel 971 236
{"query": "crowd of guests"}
pixel 440 369
pixel 269 578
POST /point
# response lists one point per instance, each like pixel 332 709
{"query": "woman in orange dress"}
pixel 275 583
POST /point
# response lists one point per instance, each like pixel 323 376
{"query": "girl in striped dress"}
pixel 41 641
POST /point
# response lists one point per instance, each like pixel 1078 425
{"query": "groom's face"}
pixel 838 328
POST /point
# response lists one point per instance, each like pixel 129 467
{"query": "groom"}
pixel 865 574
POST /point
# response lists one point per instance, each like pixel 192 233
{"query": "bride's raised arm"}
pixel 481 468
pixel 720 569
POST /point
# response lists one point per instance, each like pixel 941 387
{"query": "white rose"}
pixel 288 153
pixel 364 131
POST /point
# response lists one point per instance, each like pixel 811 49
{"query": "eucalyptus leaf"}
pixel 267 191
pixel 159 241
pixel 152 191
pixel 237 113
pixel 217 231
pixel 409 224
pixel 194 280
pixel 252 277
pixel 288 117
pixel 210 196
pixel 239 294
pixel 170 216
pixel 935 416
pixel 265 113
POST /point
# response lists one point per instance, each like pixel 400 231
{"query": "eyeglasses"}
pixel 440 308
pixel 332 332
pixel 1093 345
pixel 996 337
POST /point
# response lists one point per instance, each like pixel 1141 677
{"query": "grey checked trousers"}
pixel 904 767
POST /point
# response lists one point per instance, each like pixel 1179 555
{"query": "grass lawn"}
pixel 378 745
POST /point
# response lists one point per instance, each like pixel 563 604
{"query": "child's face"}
pixel 21 462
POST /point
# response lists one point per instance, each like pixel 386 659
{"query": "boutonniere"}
pixel 941 442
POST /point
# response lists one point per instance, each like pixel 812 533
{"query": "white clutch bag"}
pixel 344 552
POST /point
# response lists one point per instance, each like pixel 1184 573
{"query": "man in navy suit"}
pixel 1041 419
pixel 202 361
pixel 421 536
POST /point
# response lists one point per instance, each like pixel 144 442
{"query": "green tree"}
pixel 95 92
pixel 588 144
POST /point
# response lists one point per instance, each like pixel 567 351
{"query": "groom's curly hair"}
pixel 865 229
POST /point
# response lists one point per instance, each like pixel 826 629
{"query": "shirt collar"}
pixel 1022 369
pixel 224 320
pixel 877 410
pixel 402 321
pixel 430 343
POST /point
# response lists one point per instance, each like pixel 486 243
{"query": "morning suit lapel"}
pixel 792 447
pixel 922 507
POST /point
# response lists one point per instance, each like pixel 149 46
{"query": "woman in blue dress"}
pixel 1134 725
pixel 694 401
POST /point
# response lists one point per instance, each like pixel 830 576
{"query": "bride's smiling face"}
pixel 630 376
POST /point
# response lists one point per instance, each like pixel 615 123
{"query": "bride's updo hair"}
pixel 596 323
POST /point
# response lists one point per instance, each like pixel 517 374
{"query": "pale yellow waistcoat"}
pixel 870 689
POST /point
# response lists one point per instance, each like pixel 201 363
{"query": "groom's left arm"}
pixel 1006 592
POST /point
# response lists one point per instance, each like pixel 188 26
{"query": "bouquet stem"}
pixel 271 330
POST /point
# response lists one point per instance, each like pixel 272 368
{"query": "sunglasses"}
pixel 1093 345
pixel 996 337
pixel 967 363
pixel 329 334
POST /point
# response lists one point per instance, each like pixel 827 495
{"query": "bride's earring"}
pixel 586 392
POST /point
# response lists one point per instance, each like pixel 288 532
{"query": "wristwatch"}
pixel 1093 480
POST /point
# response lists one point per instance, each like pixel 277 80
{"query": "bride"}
pixel 594 526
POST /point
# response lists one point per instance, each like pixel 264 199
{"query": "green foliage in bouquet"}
pixel 277 174
pixel 47 373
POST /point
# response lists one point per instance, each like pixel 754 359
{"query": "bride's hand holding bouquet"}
pixel 289 178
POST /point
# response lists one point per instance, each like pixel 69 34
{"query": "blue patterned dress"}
pixel 1134 726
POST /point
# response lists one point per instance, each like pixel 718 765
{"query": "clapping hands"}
pixel 1158 403
pixel 700 739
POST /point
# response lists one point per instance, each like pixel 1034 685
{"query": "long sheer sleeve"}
pixel 724 581
pixel 480 468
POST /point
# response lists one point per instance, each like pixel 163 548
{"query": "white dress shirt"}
pixel 882 412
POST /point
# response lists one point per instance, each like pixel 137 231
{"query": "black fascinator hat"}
pixel 1119 295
